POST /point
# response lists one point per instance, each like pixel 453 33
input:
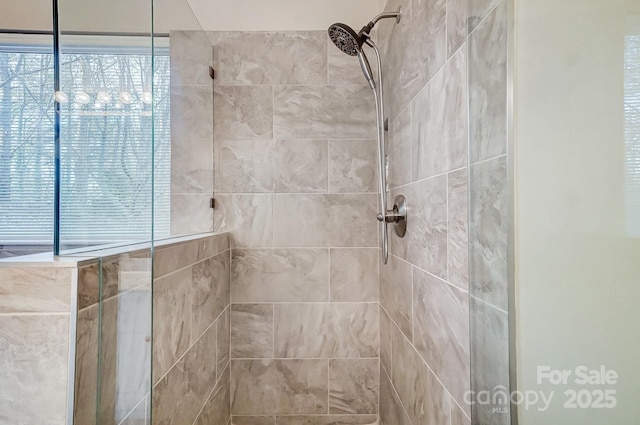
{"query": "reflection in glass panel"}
pixel 26 145
pixel 107 143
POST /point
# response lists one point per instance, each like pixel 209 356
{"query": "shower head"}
pixel 346 39
pixel 350 42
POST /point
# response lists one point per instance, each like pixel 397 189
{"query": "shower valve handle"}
pixel 397 215
pixel 390 217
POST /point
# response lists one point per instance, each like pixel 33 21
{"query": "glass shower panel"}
pixel 489 211
pixel 106 140
pixel 106 123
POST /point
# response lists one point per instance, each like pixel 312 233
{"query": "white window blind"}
pixel 108 147
pixel 632 134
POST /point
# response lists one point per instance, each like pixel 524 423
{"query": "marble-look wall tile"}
pixel 108 367
pixel 439 121
pixel 424 399
pixel 171 319
pixel 295 386
pixel 174 256
pixel 441 331
pixel 212 245
pixel 271 165
pixel 391 410
pixel 328 420
pixel 88 286
pixel 396 292
pixel 300 166
pixel 191 55
pixel 326 330
pixel 217 409
pixel 34 360
pixel 139 415
pixel 279 58
pixel 353 386
pixel 487 87
pixel 251 330
pixel 425 244
pixel 86 364
pixel 458 225
pixel 191 139
pixel 244 112
pixel 25 290
pixel 168 259
pixel 488 232
pixel 352 166
pixel 323 112
pixel 343 69
pixel 456 25
pixel 489 357
pixel 180 395
pixel 191 213
pixel 253 420
pixel 279 275
pixel 325 220
pixel 459 418
pixel 478 10
pixel 223 341
pixel 126 272
pixel 399 141
pixel 354 274
pixel 413 56
pixel 191 118
pixel 244 165
pixel 248 217
pixel 210 292
pixel 386 327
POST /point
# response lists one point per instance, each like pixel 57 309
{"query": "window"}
pixel 632 134
pixel 108 148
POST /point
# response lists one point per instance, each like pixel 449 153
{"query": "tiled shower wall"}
pixel 444 59
pixel 295 184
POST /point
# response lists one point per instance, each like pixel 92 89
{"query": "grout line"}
pixel 431 370
pixel 399 399
pixel 189 349
pixel 273 248
pixel 429 273
pixel 317 193
pixel 302 358
pixel 484 161
pixel 155 278
pixel 45 314
pixel 448 254
pixel 304 302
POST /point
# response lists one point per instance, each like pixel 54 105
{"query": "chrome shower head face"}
pixel 346 39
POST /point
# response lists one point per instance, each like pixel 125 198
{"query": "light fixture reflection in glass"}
pixel 125 97
pixel 146 98
pixel 98 105
pixel 103 97
pixel 82 98
pixel 118 105
pixel 61 97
